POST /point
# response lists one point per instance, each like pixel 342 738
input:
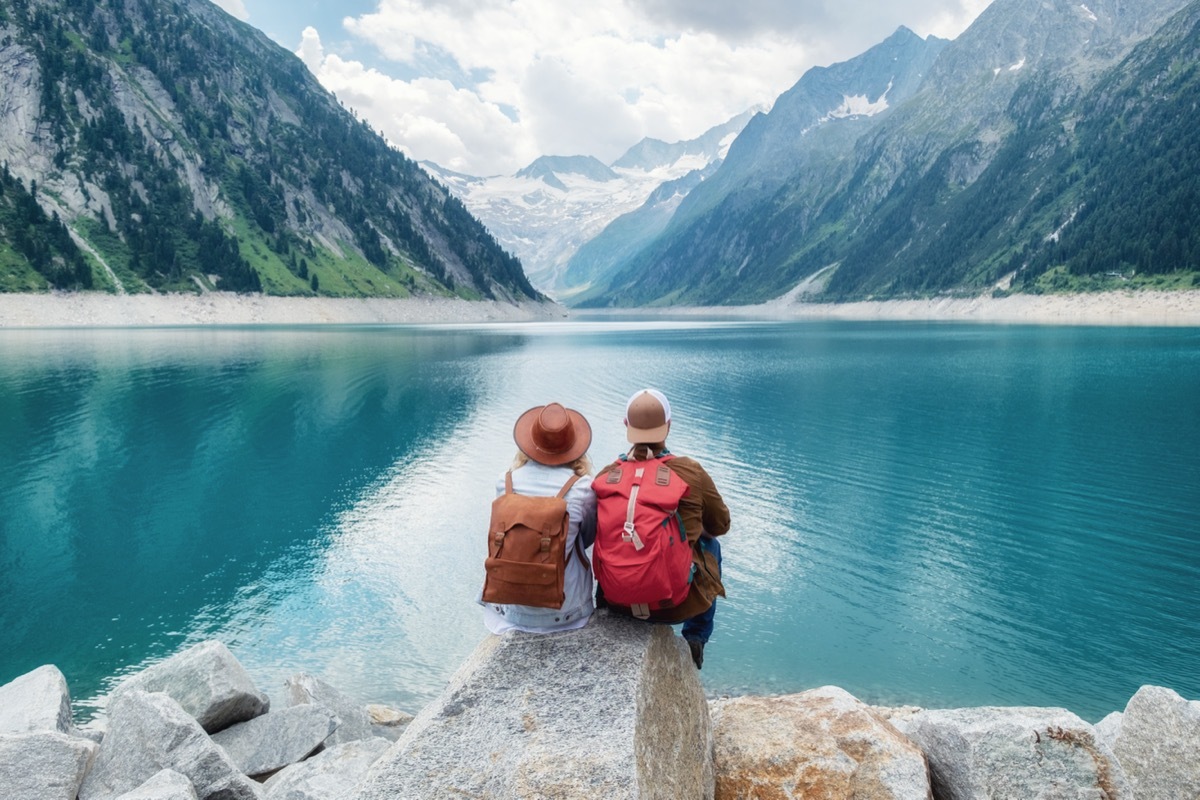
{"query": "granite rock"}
pixel 265 744
pixel 1159 745
pixel 47 765
pixel 614 710
pixel 820 744
pixel 329 774
pixel 353 720
pixel 151 732
pixel 1014 753
pixel 207 681
pixel 1107 731
pixel 36 701
pixel 166 784
pixel 388 722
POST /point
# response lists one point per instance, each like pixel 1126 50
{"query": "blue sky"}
pixel 486 86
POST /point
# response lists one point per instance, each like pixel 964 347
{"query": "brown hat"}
pixel 647 417
pixel 552 435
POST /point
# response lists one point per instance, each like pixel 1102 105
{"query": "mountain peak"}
pixel 550 169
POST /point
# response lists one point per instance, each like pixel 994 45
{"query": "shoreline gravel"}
pixel 86 309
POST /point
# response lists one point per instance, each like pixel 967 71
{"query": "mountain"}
pixel 548 168
pixel 545 212
pixel 164 145
pixel 976 173
pixel 602 256
pixel 810 130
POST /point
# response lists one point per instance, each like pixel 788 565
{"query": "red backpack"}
pixel 641 557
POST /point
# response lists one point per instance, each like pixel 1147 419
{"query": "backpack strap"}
pixel 578 544
pixel 508 482
pixel 567 486
pixel 630 533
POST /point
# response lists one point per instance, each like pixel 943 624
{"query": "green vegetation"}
pixel 1060 280
pixel 36 251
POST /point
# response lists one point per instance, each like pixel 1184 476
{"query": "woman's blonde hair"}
pixel 644 451
pixel 580 466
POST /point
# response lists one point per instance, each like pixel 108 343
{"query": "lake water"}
pixel 936 514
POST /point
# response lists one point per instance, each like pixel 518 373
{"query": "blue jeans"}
pixel 700 627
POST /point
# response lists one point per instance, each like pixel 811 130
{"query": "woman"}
pixel 552 443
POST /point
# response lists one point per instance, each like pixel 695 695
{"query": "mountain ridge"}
pixel 185 151
pixel 956 189
pixel 548 209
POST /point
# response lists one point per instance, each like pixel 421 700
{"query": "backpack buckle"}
pixel 631 535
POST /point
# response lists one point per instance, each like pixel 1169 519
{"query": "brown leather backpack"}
pixel 527 555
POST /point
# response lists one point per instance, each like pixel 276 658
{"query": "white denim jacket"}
pixel 540 480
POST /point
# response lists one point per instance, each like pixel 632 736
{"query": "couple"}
pixel 552 444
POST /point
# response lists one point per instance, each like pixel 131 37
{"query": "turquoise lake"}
pixel 933 514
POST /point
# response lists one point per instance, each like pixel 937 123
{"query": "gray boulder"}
pixel 47 765
pixel 1107 731
pixel 36 701
pixel 1159 745
pixel 353 720
pixel 152 732
pixel 207 681
pixel 166 784
pixel 1014 754
pixel 388 722
pixel 823 743
pixel 614 710
pixel 329 774
pixel 274 740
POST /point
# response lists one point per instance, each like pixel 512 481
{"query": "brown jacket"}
pixel 702 511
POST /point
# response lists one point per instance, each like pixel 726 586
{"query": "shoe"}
pixel 697 648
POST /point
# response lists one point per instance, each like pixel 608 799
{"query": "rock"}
pixel 331 773
pixel 36 701
pixel 151 732
pixel 92 729
pixel 388 717
pixel 1014 753
pixel 208 682
pixel 822 743
pixel 613 710
pixel 1107 731
pixel 388 722
pixel 268 743
pixel 1159 745
pixel 47 765
pixel 165 784
pixel 354 722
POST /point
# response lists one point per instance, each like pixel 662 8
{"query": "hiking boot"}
pixel 697 648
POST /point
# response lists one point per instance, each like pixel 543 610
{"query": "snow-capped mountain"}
pixel 924 166
pixel 545 212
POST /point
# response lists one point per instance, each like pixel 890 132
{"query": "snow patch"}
pixel 1017 66
pixel 858 106
pixel 1089 12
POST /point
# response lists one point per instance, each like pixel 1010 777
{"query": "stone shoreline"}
pixel 94 309
pixel 615 710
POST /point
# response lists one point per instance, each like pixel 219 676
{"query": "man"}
pixel 702 512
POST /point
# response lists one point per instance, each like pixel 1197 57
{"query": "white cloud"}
pixel 235 8
pixel 508 80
